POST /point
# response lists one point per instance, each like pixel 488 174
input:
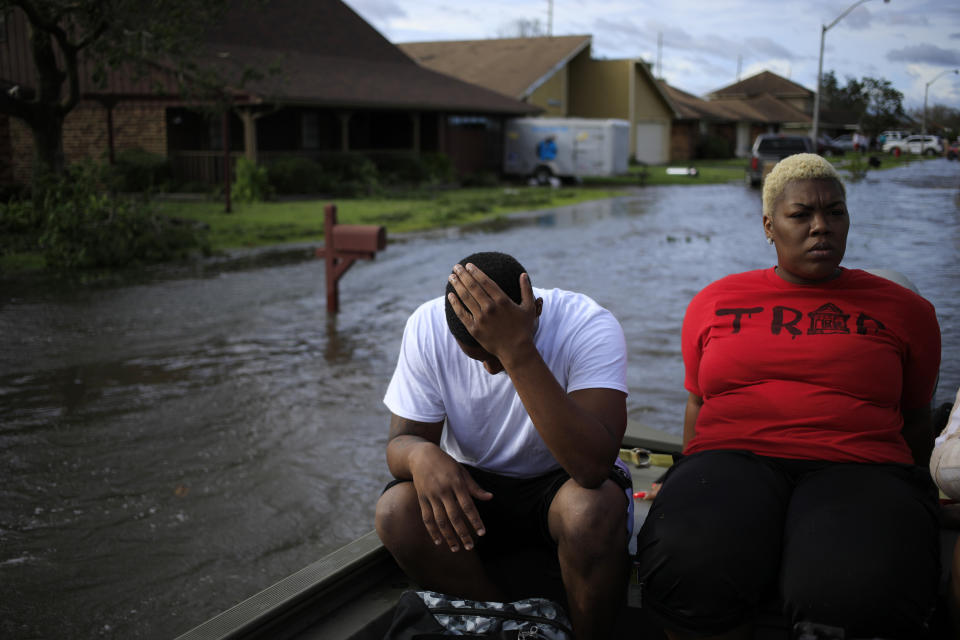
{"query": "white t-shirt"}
pixel 487 425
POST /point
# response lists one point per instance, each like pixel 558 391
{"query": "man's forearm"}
pixel 583 443
pixel 401 451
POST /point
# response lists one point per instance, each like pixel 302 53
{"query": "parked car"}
pixel 844 142
pixel 828 147
pixel 927 145
pixel 893 140
pixel 769 149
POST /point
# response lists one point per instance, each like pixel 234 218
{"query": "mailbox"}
pixel 346 243
pixel 362 238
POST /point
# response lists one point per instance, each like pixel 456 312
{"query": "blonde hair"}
pixel 802 166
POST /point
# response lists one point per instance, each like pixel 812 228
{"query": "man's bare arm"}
pixel 406 436
pixel 445 489
pixel 582 429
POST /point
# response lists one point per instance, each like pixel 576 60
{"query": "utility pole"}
pixel 923 140
pixel 816 95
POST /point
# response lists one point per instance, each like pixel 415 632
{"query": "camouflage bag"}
pixel 425 615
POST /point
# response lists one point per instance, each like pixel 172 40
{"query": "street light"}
pixel 923 131
pixel 816 95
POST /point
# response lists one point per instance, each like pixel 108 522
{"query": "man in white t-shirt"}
pixel 508 407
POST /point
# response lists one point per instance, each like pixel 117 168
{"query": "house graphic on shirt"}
pixel 828 318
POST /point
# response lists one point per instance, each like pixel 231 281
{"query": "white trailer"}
pixel 546 148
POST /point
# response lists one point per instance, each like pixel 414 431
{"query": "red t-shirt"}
pixel 818 372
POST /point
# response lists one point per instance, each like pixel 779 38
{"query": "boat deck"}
pixel 350 594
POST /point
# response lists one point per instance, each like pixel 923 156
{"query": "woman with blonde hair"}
pixel 803 482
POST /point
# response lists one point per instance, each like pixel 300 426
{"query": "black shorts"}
pixel 517 515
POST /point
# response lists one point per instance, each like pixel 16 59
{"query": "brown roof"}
pixel 763 82
pixel 764 108
pixel 316 52
pixel 511 66
pixel 690 107
pixel 325 53
pixel 311 79
pixel 319 27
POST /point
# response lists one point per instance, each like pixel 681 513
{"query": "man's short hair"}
pixel 499 267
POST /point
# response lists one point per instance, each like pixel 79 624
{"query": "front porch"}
pixel 196 149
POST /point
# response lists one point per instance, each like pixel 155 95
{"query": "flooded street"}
pixel 171 447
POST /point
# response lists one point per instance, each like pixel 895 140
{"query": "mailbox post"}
pixel 344 244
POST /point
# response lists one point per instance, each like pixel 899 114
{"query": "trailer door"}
pixel 588 146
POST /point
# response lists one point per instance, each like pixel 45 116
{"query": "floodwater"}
pixel 172 445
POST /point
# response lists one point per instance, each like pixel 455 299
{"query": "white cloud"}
pixel 704 39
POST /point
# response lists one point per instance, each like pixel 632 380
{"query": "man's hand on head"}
pixel 500 325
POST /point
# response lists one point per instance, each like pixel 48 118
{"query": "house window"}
pixel 309 131
pixel 473 122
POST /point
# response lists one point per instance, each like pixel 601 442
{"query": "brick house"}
pixel 765 103
pixel 327 83
pixel 558 75
pixel 701 128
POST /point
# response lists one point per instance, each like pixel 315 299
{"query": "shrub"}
pixel 348 174
pixel 480 179
pixel 137 170
pixel 411 169
pixel 438 167
pixel 20 227
pixel 84 226
pixel 295 175
pixel 398 168
pixel 251 183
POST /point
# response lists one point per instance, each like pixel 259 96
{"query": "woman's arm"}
pixel 918 434
pixel 694 403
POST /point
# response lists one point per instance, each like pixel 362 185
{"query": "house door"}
pixel 651 147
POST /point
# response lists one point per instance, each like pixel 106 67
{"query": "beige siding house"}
pixel 558 75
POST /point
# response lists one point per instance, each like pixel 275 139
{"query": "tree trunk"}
pixel 47 129
pixel 46 114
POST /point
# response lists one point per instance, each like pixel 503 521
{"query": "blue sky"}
pixel 705 42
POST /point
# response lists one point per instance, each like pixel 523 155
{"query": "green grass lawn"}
pixel 708 172
pixel 280 222
pixel 268 223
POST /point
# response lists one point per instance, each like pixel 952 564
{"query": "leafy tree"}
pixel 66 35
pixel 941 120
pixel 873 102
pixel 848 99
pixel 884 108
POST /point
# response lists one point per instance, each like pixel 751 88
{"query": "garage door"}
pixel 651 142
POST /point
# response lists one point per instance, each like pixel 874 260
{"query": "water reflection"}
pixel 176 442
